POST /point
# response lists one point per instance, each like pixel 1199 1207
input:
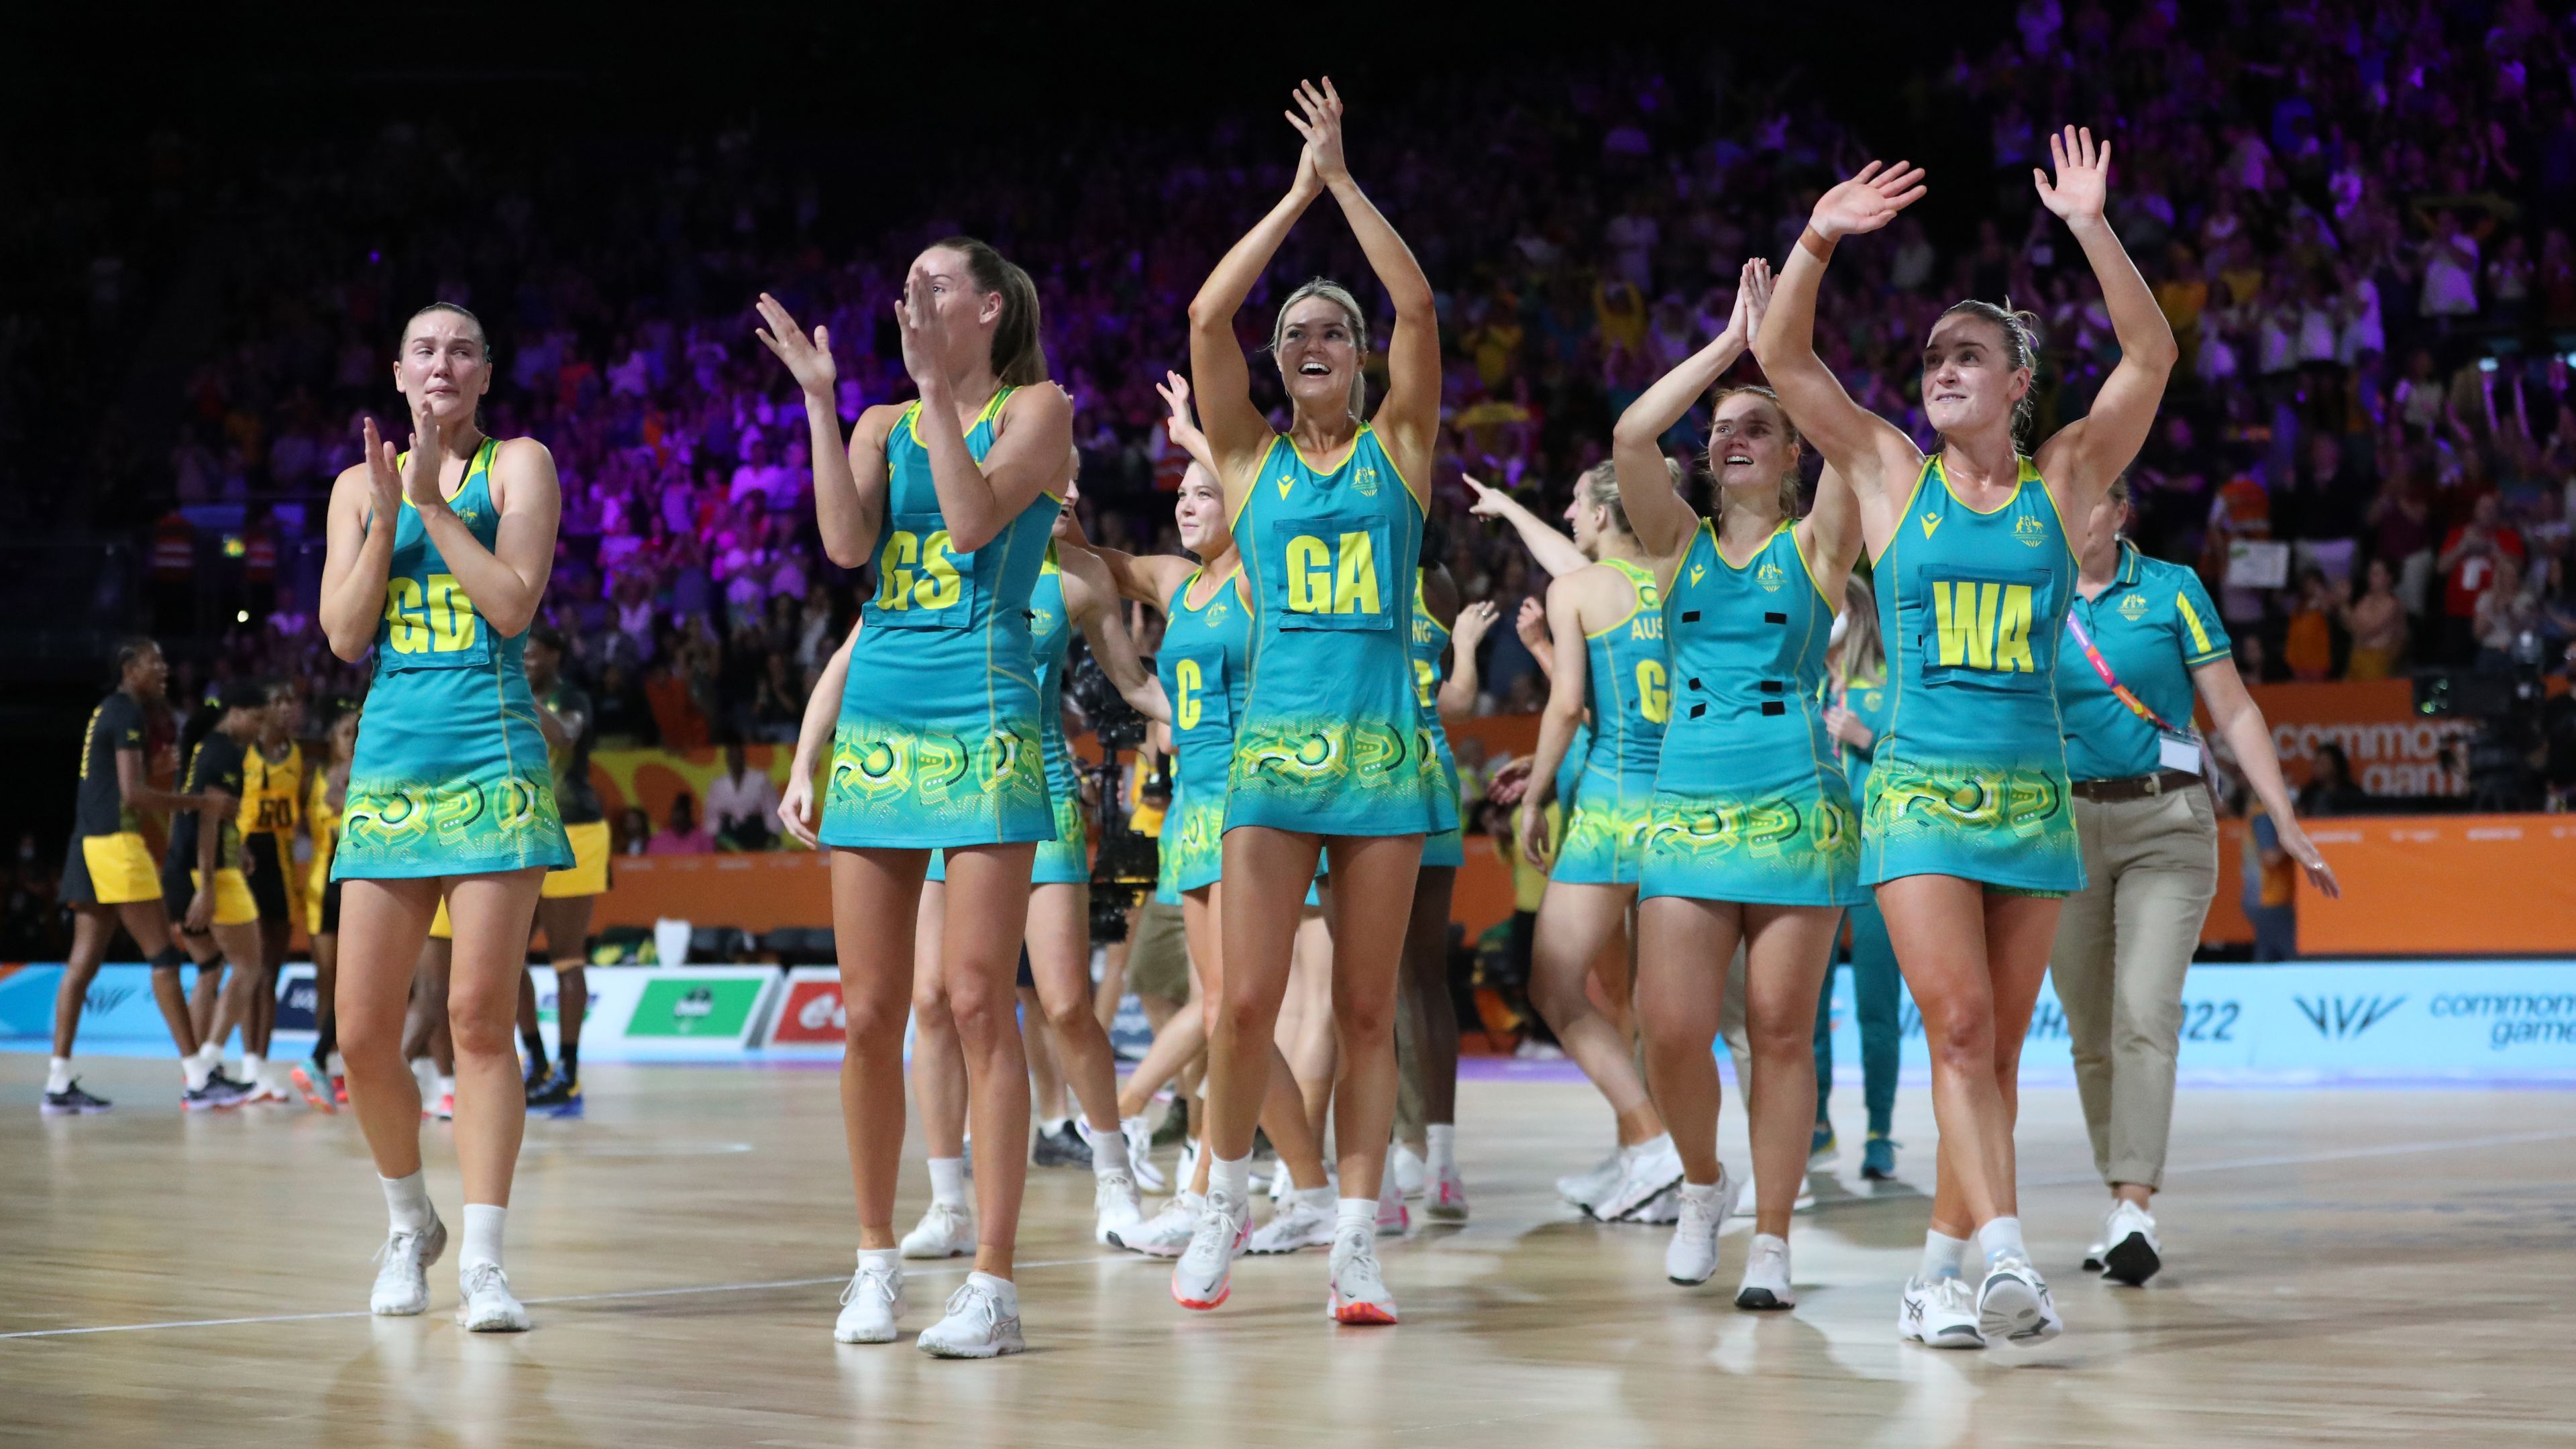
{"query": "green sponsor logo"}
pixel 694 1006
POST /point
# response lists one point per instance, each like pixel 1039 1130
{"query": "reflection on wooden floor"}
pixel 2348 1266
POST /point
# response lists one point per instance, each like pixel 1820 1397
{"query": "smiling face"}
pixel 1318 353
pixel 1970 384
pixel 445 365
pixel 1750 445
pixel 1201 514
pixel 1587 521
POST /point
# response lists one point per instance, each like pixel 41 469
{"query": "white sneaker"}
pixel 1140 1153
pixel 1357 1291
pixel 1114 1206
pixel 1278 1184
pixel 871 1304
pixel 2132 1254
pixel 1939 1313
pixel 1392 1215
pixel 1188 1170
pixel 2013 1303
pixel 983 1322
pixel 1692 1255
pixel 1750 1202
pixel 1205 1274
pixel 1300 1222
pixel 1448 1197
pixel 2093 1256
pixel 1661 1210
pixel 1766 1276
pixel 1167 1232
pixel 1409 1169
pixel 1584 1188
pixel 402 1282
pixel 1644 1170
pixel 946 1230
pixel 489 1306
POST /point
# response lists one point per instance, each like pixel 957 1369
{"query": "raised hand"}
pixel 420 477
pixel 1473 621
pixel 1753 294
pixel 925 334
pixel 1182 427
pixel 1867 201
pixel 1322 128
pixel 2083 176
pixel 1490 502
pixel 384 475
pixel 808 361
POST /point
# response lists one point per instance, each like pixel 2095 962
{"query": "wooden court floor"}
pixel 2356 1266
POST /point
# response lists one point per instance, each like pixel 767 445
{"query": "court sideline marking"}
pixel 2394 1149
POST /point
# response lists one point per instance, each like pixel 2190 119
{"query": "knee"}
pixel 1363 1021
pixel 1071 1014
pixel 979 1012
pixel 930 1010
pixel 368 1040
pixel 873 1023
pixel 483 1022
pixel 1243 1016
pixel 1962 1040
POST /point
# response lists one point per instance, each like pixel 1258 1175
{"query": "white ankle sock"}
pixel 1234 1179
pixel 2001 1236
pixel 407 1203
pixel 1051 1126
pixel 1321 1197
pixel 1705 1192
pixel 890 1257
pixel 482 1235
pixel 254 1068
pixel 194 1071
pixel 58 1074
pixel 446 1085
pixel 948 1181
pixel 1444 1147
pixel 1942 1255
pixel 1355 1213
pixel 1108 1149
pixel 1004 1291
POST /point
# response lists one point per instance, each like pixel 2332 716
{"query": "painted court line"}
pixel 532 1302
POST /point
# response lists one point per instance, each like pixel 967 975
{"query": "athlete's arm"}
pixel 1568 684
pixel 507 580
pixel 2240 721
pixel 846 510
pixel 1030 455
pixel 201 905
pixel 2079 463
pixel 135 790
pixel 1554 551
pixel 359 558
pixel 1458 691
pixel 822 712
pixel 1867 448
pixel 1830 534
pixel 1236 431
pixel 1531 625
pixel 1657 513
pixel 559 729
pixel 1410 415
pixel 1092 603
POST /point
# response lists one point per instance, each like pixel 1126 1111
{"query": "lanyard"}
pixel 2122 692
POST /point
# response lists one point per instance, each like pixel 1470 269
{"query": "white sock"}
pixel 1108 1149
pixel 1444 1147
pixel 2001 1236
pixel 407 1203
pixel 194 1071
pixel 947 1181
pixel 1355 1213
pixel 1942 1255
pixel 446 1085
pixel 1004 1291
pixel 253 1068
pixel 482 1235
pixel 212 1054
pixel 339 1068
pixel 1234 1179
pixel 58 1074
pixel 1701 1192
pixel 1051 1126
pixel 1320 1197
pixel 890 1258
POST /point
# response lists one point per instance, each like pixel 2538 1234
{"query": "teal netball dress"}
pixel 450 776
pixel 1969 778
pixel 1430 643
pixel 1750 803
pixel 1333 740
pixel 1206 663
pixel 1065 859
pixel 1630 696
pixel 940 740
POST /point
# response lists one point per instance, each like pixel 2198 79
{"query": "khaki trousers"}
pixel 2124 944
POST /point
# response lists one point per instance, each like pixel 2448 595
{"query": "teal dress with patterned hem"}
pixel 1610 810
pixel 1750 801
pixel 1065 859
pixel 941 740
pixel 1333 740
pixel 450 775
pixel 1205 663
pixel 1969 777
pixel 1430 642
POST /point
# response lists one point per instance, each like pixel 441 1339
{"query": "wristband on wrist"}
pixel 1817 244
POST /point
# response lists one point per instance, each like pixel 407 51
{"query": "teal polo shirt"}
pixel 2154 625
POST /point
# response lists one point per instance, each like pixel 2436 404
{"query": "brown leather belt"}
pixel 2135 787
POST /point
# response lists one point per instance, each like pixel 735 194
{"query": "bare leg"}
pixel 1683 949
pixel 1788 951
pixel 492 915
pixel 1269 870
pixel 1059 941
pixel 988 899
pixel 938 1067
pixel 383 924
pixel 1426 961
pixel 1372 905
pixel 1113 975
pixel 1307 1046
pixel 93 930
pixel 273 936
pixel 566 922
pixel 1283 1109
pixel 1575 924
pixel 874 895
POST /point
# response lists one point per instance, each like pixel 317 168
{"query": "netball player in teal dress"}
pixel 1332 753
pixel 438 558
pixel 1967 833
pixel 950 501
pixel 1752 839
pixel 1206 667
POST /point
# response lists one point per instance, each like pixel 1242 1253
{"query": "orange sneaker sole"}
pixel 1222 1294
pixel 1357 1313
pixel 314 1097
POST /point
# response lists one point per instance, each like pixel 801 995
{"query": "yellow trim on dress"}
pixel 1638 578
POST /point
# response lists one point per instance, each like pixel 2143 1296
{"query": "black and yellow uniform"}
pixel 108 864
pixel 585 823
pixel 216 764
pixel 271 792
pixel 321 893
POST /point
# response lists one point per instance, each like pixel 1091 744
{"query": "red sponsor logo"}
pixel 812 1015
